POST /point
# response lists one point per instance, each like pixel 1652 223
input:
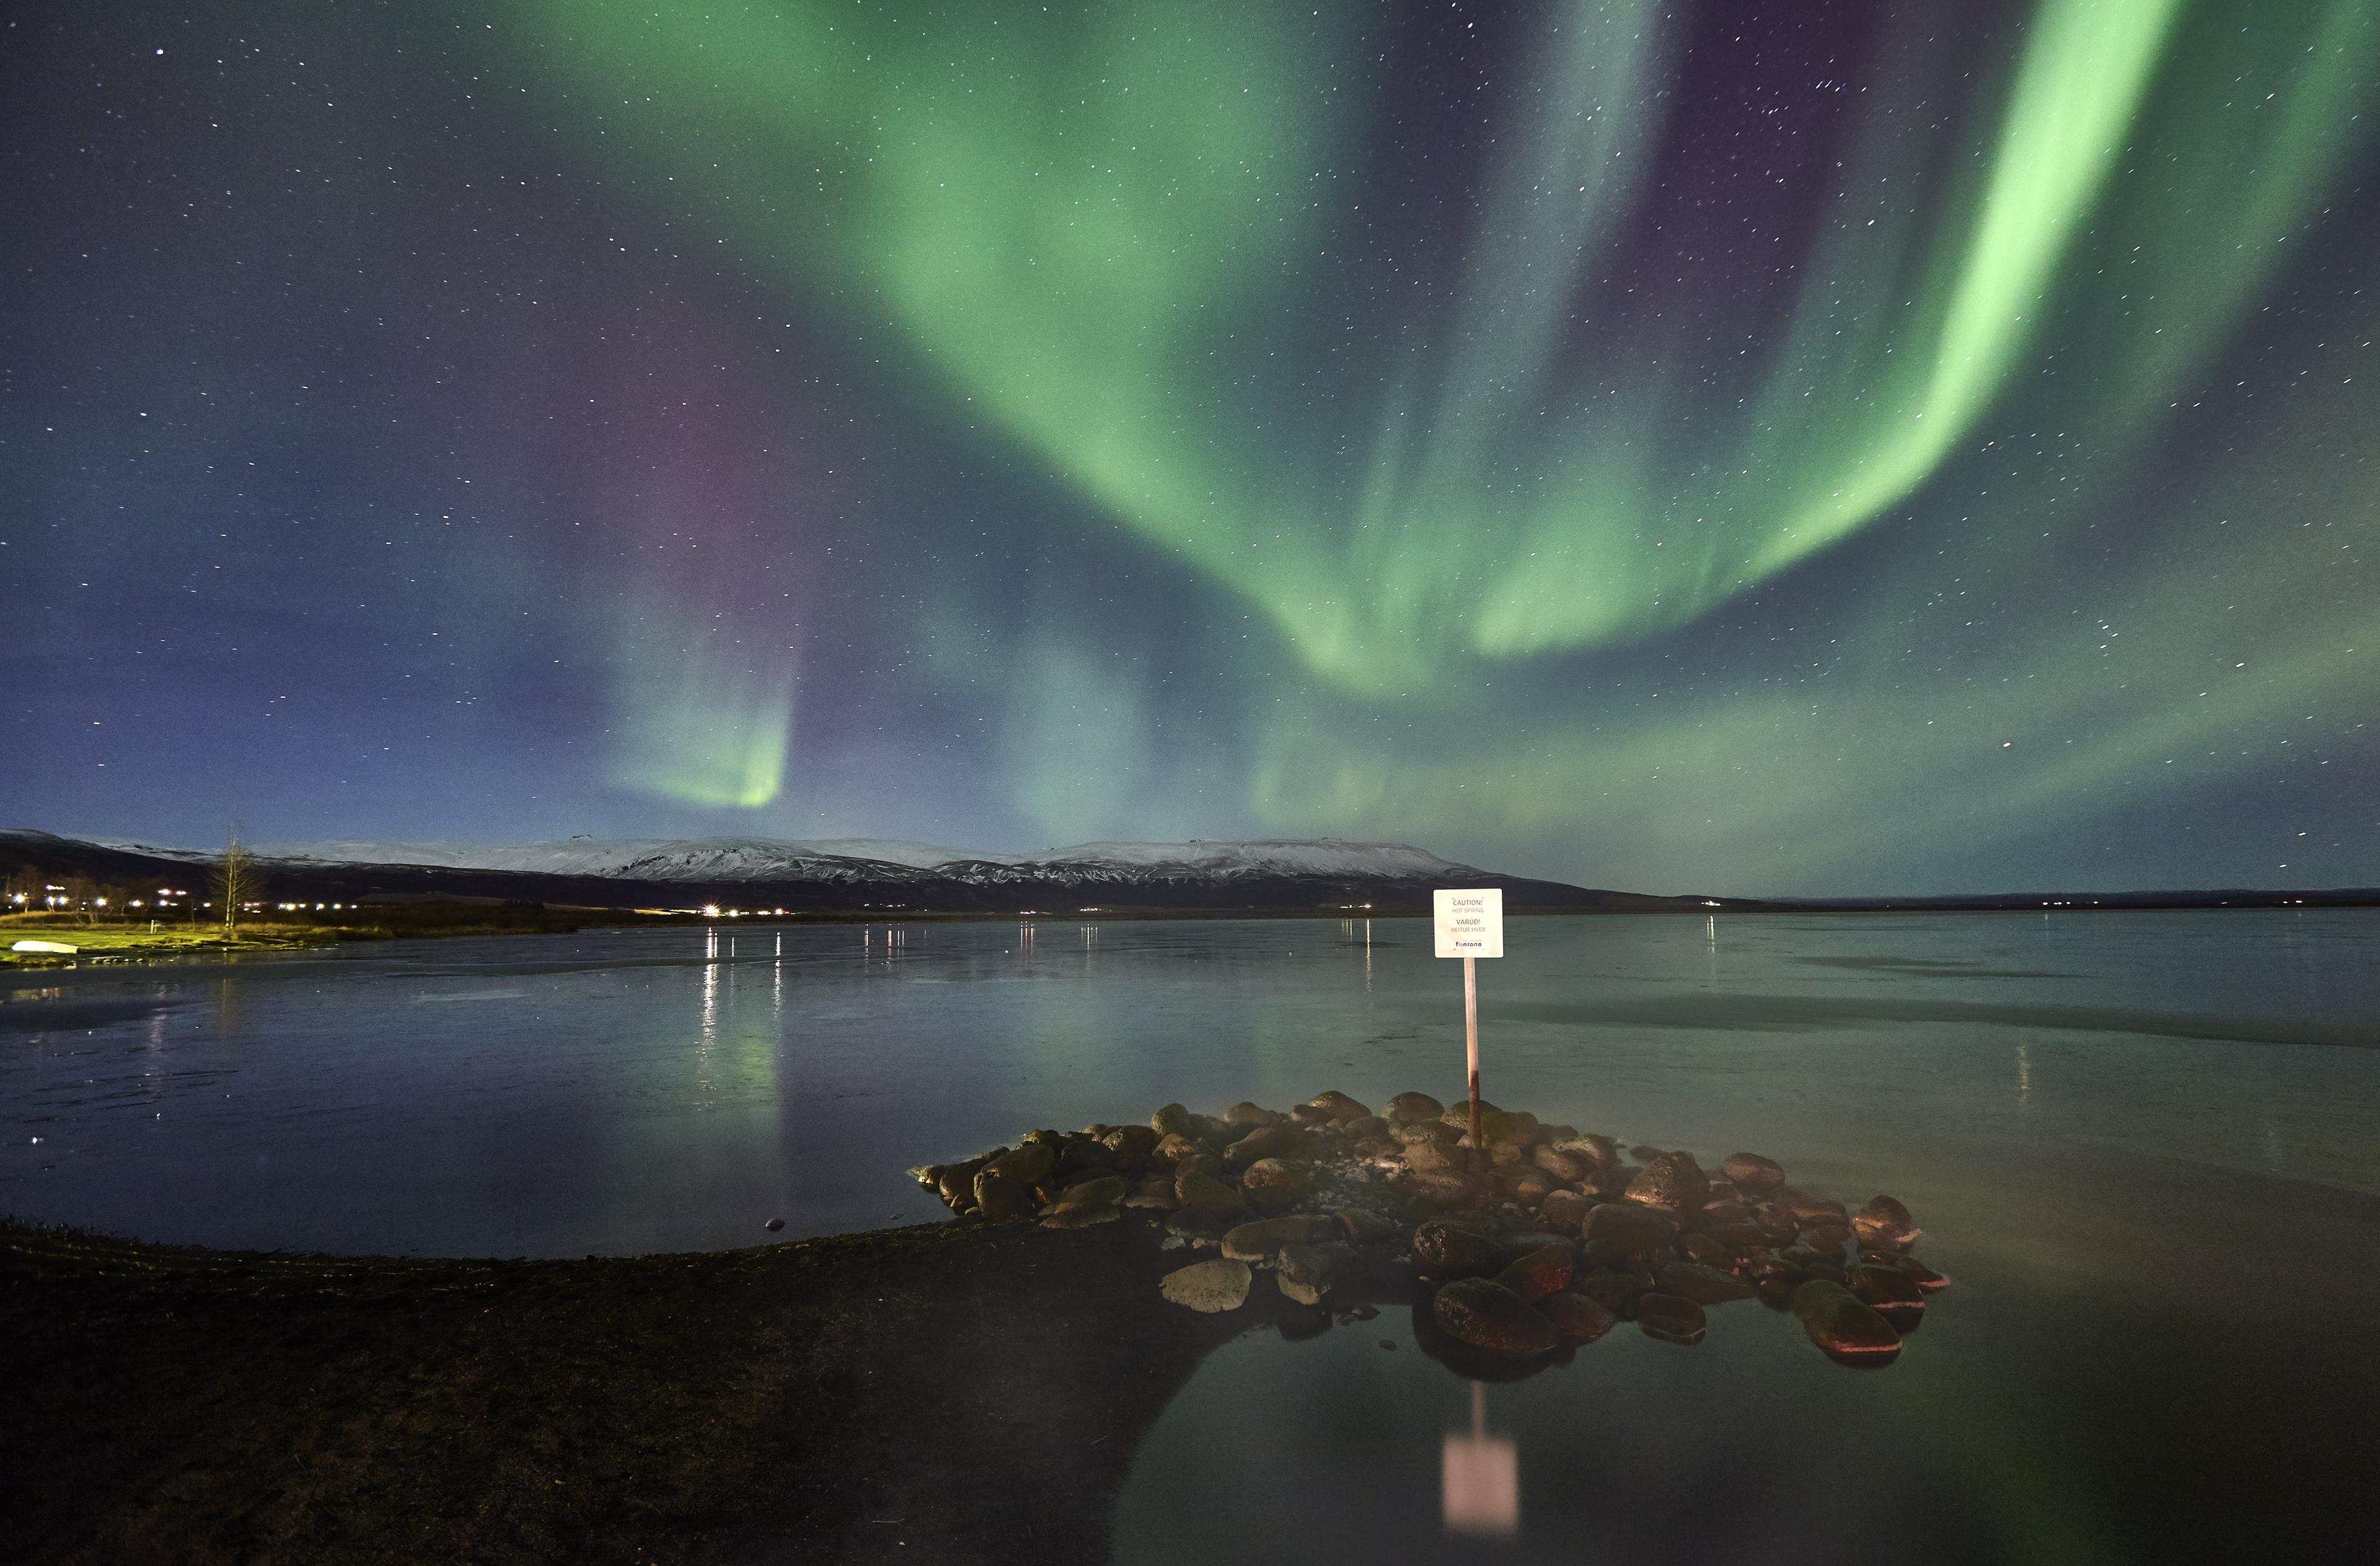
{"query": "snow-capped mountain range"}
pixel 730 859
pixel 850 876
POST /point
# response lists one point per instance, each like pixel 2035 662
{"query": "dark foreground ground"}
pixel 948 1393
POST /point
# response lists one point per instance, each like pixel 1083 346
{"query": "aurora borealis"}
pixel 1790 448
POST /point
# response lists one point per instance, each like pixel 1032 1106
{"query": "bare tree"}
pixel 235 879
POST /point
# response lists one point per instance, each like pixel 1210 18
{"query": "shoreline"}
pixel 959 1391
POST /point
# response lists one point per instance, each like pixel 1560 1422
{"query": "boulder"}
pixel 1173 1120
pixel 1637 1230
pixel 1752 1173
pixel 1360 1227
pixel 1891 1292
pixel 1458 1113
pixel 957 1183
pixel 1084 1155
pixel 1830 1238
pixel 1195 1189
pixel 1027 1165
pixel 1601 1152
pixel 1131 1144
pixel 1615 1291
pixel 1175 1147
pixel 1921 1275
pixel 1441 1249
pixel 1306 1272
pixel 1885 1224
pixel 1706 1250
pixel 1245 1113
pixel 1704 1285
pixel 1488 1315
pixel 1673 1183
pixel 1364 1128
pixel 1809 1212
pixel 1645 1152
pixel 1575 1317
pixel 1408 1107
pixel 1543 1272
pixel 1738 1239
pixel 1527 1186
pixel 1156 1193
pixel 1312 1117
pixel 1208 1286
pixel 1272 1185
pixel 1099 1191
pixel 1517 1128
pixel 1843 1325
pixel 1567 1169
pixel 1337 1106
pixel 1269 1142
pixel 1000 1199
pixel 1565 1210
pixel 1432 1131
pixel 1444 1188
pixel 1259 1241
pixel 1671 1319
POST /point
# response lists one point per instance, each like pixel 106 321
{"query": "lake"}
pixel 2141 1145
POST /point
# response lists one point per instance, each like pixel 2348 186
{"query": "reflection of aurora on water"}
pixel 1770 447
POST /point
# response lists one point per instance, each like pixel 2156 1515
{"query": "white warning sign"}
pixel 1470 924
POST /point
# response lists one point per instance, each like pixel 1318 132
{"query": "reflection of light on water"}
pixel 2023 1076
pixel 1367 954
pixel 709 1019
pixel 1710 972
pixel 777 976
pixel 1481 1489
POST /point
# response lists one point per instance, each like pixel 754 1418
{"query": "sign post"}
pixel 1470 925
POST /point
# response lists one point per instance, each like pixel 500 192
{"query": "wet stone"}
pixel 1271 1184
pixel 1704 1285
pixel 1673 1183
pixel 1884 1223
pixel 1635 1230
pixel 1752 1173
pixel 1194 1189
pixel 1408 1107
pixel 1543 1272
pixel 1210 1286
pixel 1843 1324
pixel 1268 1142
pixel 1575 1317
pixel 1566 1210
pixel 1487 1316
pixel 1305 1272
pixel 1441 1249
pixel 1671 1319
pixel 1338 1105
pixel 1891 1292
pixel 1260 1240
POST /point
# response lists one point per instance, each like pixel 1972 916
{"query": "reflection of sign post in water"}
pixel 1481 1492
pixel 1471 926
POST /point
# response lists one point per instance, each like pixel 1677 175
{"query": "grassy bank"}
pixel 950 1394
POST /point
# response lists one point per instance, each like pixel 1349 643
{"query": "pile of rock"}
pixel 1542 1236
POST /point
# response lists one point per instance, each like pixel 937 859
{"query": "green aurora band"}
pixel 1122 233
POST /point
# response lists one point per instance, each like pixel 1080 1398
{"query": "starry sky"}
pixel 1782 447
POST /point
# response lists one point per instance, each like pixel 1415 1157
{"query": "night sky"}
pixel 1788 447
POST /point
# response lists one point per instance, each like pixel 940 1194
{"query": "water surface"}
pixel 2141 1144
